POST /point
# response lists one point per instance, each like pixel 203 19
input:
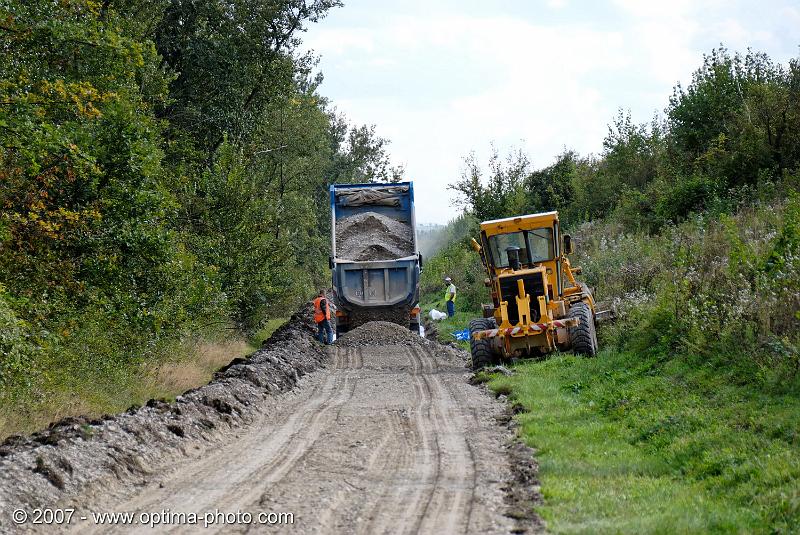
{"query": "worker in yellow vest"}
pixel 450 296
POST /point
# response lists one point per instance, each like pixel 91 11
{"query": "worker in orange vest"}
pixel 322 316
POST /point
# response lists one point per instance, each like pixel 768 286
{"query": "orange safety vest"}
pixel 319 315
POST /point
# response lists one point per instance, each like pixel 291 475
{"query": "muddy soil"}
pixel 370 236
pixel 388 437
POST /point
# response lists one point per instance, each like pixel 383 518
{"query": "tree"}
pixel 232 58
pixel 360 155
pixel 552 188
pixel 502 195
pixel 736 121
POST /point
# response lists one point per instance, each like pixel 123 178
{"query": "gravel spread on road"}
pixel 377 333
pixel 370 237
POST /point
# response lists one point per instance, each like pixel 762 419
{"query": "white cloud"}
pixel 736 36
pixel 341 41
pixel 791 14
pixel 534 90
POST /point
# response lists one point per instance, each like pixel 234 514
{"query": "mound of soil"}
pixel 388 333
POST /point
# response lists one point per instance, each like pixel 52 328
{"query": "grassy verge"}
pixel 115 388
pixel 633 445
pixel 448 326
pixel 265 332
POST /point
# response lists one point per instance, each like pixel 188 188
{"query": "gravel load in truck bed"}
pixel 370 236
pixel 397 314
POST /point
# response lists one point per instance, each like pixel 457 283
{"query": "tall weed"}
pixel 723 288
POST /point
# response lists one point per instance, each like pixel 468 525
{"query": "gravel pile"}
pixel 387 333
pixel 370 236
pixel 398 315
pixel 379 333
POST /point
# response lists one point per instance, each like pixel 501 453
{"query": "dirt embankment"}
pixel 80 454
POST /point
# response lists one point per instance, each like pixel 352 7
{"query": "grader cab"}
pixel 537 303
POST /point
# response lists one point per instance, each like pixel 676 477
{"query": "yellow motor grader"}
pixel 537 304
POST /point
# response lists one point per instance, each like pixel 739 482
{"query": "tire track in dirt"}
pixel 377 461
pixel 297 449
pixel 385 460
pixel 413 490
pixel 437 495
pixel 430 440
pixel 292 452
pixel 353 360
pixel 220 477
pixel 452 496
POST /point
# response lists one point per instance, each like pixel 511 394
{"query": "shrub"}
pixel 459 262
pixel 16 351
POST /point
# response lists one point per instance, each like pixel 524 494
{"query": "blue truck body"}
pixel 375 290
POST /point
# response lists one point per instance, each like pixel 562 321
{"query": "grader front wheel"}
pixel 480 350
pixel 583 337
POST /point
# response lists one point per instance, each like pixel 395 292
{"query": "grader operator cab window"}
pixel 530 245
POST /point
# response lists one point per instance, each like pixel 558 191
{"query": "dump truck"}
pixel 538 305
pixel 374 260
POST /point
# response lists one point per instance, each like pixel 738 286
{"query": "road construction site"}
pixel 378 433
pixel 381 432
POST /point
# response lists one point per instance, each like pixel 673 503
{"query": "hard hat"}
pixel 447 279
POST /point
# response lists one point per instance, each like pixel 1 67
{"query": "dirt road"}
pixel 385 439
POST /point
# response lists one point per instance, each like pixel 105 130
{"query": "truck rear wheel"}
pixel 480 350
pixel 583 337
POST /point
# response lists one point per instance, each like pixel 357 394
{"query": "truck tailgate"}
pixel 376 284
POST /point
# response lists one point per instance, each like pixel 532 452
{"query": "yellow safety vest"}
pixel 451 288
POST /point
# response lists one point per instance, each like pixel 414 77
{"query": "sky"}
pixel 442 78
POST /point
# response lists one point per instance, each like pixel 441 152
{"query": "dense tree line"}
pixel 163 170
pixel 732 134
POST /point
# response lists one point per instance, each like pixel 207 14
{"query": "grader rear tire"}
pixel 583 337
pixel 481 350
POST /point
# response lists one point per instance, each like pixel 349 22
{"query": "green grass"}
pixel 108 387
pixel 266 331
pixel 450 325
pixel 634 445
